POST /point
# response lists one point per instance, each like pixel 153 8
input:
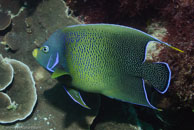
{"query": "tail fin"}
pixel 158 75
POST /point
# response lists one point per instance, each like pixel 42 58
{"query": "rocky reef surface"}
pixel 27 24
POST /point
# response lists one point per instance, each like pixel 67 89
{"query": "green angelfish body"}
pixel 105 59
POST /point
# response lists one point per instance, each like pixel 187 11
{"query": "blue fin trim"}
pixel 162 92
pixel 123 27
pixel 146 51
pixel 150 105
pixel 168 84
pixel 76 100
pixel 146 96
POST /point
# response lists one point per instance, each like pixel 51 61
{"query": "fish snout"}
pixel 35 53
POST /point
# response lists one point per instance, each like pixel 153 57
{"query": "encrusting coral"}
pixel 5 100
pixel 6 74
pixel 5 21
pixel 19 98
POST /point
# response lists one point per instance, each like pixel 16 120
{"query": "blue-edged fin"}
pixel 131 90
pixel 158 75
pixel 75 95
pixel 58 72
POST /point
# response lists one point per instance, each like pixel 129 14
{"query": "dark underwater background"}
pixel 27 24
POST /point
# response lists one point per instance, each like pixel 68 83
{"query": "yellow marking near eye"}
pixel 35 53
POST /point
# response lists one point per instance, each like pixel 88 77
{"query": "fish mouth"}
pixel 35 53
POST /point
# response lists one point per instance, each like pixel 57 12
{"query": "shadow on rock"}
pixel 115 112
pixel 74 113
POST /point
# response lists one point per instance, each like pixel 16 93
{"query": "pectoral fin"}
pixel 58 72
pixel 75 95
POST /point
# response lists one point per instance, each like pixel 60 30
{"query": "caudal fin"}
pixel 158 75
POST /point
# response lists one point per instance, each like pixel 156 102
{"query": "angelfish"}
pixel 107 59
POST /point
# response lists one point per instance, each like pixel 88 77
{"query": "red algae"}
pixel 180 18
pixel 181 90
pixel 123 12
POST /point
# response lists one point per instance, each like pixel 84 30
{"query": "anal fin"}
pixel 132 90
pixel 75 95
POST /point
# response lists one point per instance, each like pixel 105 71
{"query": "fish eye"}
pixel 45 49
